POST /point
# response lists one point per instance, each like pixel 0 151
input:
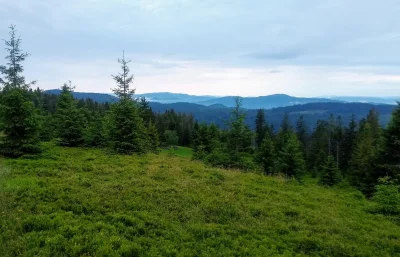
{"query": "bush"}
pixel 387 196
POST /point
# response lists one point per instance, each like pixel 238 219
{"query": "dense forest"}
pixel 334 150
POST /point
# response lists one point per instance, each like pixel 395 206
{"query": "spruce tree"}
pixel 240 136
pixel 260 127
pixel 302 133
pixel 330 173
pixel 319 146
pixel 266 155
pixel 94 135
pixel 127 132
pixel 290 157
pixel 392 146
pixel 348 143
pixel 69 120
pixel 365 168
pixel 18 117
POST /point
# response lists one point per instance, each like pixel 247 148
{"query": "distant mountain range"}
pixel 311 112
pixel 260 102
pixel 217 110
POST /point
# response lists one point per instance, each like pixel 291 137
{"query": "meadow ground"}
pixel 85 202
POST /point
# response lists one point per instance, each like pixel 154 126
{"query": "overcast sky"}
pixel 213 47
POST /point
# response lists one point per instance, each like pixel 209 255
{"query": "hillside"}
pixel 312 112
pixel 83 202
pixel 266 102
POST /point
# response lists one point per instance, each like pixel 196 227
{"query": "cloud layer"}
pixel 226 47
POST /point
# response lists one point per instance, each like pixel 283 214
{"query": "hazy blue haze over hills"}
pixel 264 102
pixel 219 111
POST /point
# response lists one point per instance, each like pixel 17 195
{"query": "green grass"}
pixel 181 151
pixel 83 202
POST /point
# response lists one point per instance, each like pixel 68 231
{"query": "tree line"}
pixel 361 153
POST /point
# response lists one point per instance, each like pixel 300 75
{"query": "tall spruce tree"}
pixel 127 132
pixel 290 157
pixel 392 146
pixel 239 134
pixel 18 117
pixel 69 120
pixel 260 127
pixel 348 143
pixel 365 169
pixel 330 173
pixel 302 133
pixel 266 155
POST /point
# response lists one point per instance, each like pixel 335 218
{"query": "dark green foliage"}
pixel 261 128
pixel 171 138
pixel 127 134
pixel 330 173
pixel 126 130
pixel 302 134
pixel 392 150
pixel 387 196
pixel 94 134
pixel 319 145
pixel 365 163
pixel 239 134
pixel 153 137
pixel 266 155
pixel 348 144
pixel 18 117
pixel 20 124
pixel 290 157
pixel 69 119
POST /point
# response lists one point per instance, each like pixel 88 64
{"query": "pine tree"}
pixel 330 173
pixel 69 119
pixel 266 155
pixel 127 132
pixel 18 116
pixel 260 127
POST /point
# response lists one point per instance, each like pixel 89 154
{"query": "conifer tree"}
pixel 260 127
pixel 348 143
pixel 127 132
pixel 240 136
pixel 319 145
pixel 365 162
pixel 392 145
pixel 94 135
pixel 153 137
pixel 302 133
pixel 266 155
pixel 290 157
pixel 18 116
pixel 330 173
pixel 69 119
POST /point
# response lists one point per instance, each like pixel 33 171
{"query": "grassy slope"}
pixel 81 202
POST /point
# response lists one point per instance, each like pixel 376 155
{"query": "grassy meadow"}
pixel 86 202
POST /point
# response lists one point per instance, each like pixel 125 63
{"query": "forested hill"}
pixel 218 113
pixel 312 112
pixel 98 97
